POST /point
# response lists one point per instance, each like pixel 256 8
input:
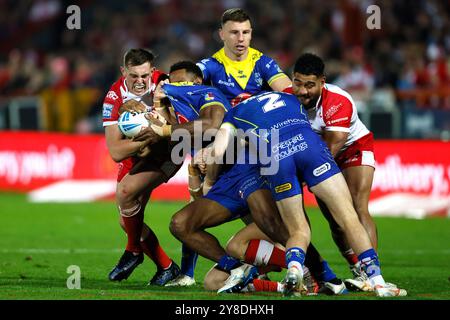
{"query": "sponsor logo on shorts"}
pixel 107 110
pixel 289 147
pixel 283 187
pixel 322 169
pixel 245 185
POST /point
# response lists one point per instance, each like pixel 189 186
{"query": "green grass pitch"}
pixel 38 242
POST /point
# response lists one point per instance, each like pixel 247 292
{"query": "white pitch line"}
pixel 107 251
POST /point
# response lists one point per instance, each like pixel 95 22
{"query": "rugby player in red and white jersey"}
pixel 134 91
pixel 333 115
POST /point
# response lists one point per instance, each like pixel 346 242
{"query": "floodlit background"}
pixel 54 165
pixel 54 79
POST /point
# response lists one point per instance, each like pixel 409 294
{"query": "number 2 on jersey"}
pixel 273 102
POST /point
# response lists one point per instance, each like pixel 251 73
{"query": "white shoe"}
pixel 293 283
pixel 389 291
pixel 360 281
pixel 181 281
pixel 237 276
pixel 333 289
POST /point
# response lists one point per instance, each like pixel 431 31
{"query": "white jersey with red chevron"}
pixel 336 111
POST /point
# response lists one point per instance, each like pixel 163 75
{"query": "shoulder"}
pixel 158 75
pixel 114 94
pixel 337 105
pixel 334 93
pixel 208 64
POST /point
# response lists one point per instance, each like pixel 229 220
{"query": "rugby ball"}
pixel 131 123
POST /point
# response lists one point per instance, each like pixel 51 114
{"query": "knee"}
pixel 178 225
pixel 236 248
pixel 214 280
pixel 210 284
pixel 125 194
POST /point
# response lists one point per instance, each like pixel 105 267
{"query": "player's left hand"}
pixel 132 106
pixel 201 159
pixel 159 94
pixel 159 127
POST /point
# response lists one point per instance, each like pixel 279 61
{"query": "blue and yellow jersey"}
pixel 188 99
pixel 269 111
pixel 238 80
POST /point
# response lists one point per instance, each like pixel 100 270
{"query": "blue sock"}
pixel 327 274
pixel 228 263
pixel 370 263
pixel 188 261
pixel 295 257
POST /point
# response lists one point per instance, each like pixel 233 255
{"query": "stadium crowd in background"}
pixel 39 55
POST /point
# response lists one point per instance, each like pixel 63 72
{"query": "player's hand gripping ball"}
pixel 132 106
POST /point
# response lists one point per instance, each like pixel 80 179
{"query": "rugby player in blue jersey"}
pixel 278 125
pixel 238 70
pixel 238 191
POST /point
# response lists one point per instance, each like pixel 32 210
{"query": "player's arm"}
pixel 274 76
pixel 210 117
pixel 335 140
pixel 120 148
pixel 337 125
pixel 222 140
pixel 281 83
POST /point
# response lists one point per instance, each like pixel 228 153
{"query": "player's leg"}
pixel 291 212
pixel 321 173
pixel 188 225
pixel 238 244
pixel 359 181
pixel 264 211
pixel 150 243
pixel 215 279
pixel 360 188
pixel 335 194
pixel 338 235
pixel 129 196
pixel 188 256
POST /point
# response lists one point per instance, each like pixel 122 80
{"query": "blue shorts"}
pixel 233 188
pixel 302 156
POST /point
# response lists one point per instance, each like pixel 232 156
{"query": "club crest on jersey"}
pixel 241 74
pixel 258 79
pixel 209 96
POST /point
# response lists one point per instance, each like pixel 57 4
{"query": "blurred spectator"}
pixel 39 55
